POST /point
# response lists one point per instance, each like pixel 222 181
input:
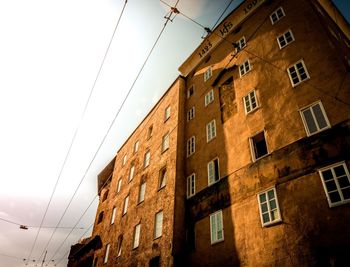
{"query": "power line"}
pixel 76 132
pixel 36 226
pixel 223 12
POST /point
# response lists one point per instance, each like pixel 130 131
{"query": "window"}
pixel 211 130
pixel 142 192
pixel 131 173
pixel 113 215
pixel 209 97
pixel 250 102
pixel 336 183
pixel 167 113
pixel 165 142
pixel 216 227
pixel 314 118
pixel 126 203
pixel 158 225
pixel 190 91
pixel 119 185
pixel 285 39
pixel 208 73
pixel 136 240
pixel 190 114
pixel 100 217
pixel 240 44
pixel 105 196
pixel 213 171
pixel 191 146
pixel 277 15
pixel 162 178
pixel 191 185
pixel 244 68
pixel 106 254
pixel 125 159
pixel 298 73
pixel 268 206
pixel 154 262
pixel 136 146
pixel 149 133
pixel 146 159
pixel 119 245
pixel 258 146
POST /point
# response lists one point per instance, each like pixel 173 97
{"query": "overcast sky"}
pixel 50 53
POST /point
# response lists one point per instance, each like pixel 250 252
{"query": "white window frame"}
pixel 147 159
pixel 211 171
pixel 114 211
pixel 269 208
pixel 162 178
pixel 136 146
pixel 189 91
pixel 191 185
pixel 131 173
pixel 211 130
pixel 248 102
pixel 165 142
pixel 191 146
pixel 167 113
pixel 126 204
pixel 105 260
pixel 252 146
pixel 125 158
pixel 208 73
pixel 298 73
pixel 191 114
pixel 283 35
pixel 158 225
pixel 119 244
pixel 241 43
pixel 244 68
pixel 335 180
pixel 136 237
pixel 306 126
pixel 119 185
pixel 142 192
pixel 216 226
pixel 209 97
pixel 277 16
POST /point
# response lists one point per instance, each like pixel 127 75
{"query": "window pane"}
pixel 334 197
pixel 331 186
pixel 309 121
pixel 266 217
pixel 322 123
pixel 264 207
pixel 346 193
pixel 327 175
pixel 271 194
pixel 262 198
pixel 273 204
pixel 339 171
pixel 274 215
pixel 343 181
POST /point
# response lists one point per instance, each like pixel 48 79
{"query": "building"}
pixel 245 159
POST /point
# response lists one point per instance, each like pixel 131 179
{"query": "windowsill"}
pixel 208 103
pixel 156 238
pixel 188 197
pixel 242 75
pixel 255 160
pixel 308 134
pixel 135 248
pixel 188 156
pixel 165 150
pixel 272 223
pixel 208 141
pixel 165 120
pixel 161 188
pixel 252 111
pixel 214 182
pixel 217 242
pixel 295 85
pixel 285 45
pixel 139 203
pixel 337 204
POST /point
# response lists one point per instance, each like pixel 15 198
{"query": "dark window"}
pixel 105 195
pixel 100 217
pixel 150 130
pixel 259 147
pixel 154 262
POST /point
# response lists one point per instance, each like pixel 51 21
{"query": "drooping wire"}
pixel 36 226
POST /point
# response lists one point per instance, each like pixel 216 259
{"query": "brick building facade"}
pixel 245 159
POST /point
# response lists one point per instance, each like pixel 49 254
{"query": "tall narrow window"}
pixel 119 245
pixel 213 171
pixel 244 68
pixel 190 114
pixel 285 39
pixel 119 185
pixel 150 131
pixel 136 240
pixel 191 185
pixel 113 215
pixel 162 178
pixel 100 217
pixel 258 146
pixel 126 203
pixel 190 91
pixel 269 209
pixel 209 97
pixel 277 15
pixel 105 195
pixel 165 142
pixel 136 146
pixel 125 159
pixel 216 227
pixel 250 102
pixel 336 183
pixel 158 225
pixel 167 113
pixel 131 173
pixel 191 146
pixel 146 159
pixel 314 118
pixel 208 73
pixel 106 254
pixel 211 130
pixel 298 73
pixel 240 44
pixel 142 192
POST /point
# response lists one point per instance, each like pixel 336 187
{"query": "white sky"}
pixel 50 52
